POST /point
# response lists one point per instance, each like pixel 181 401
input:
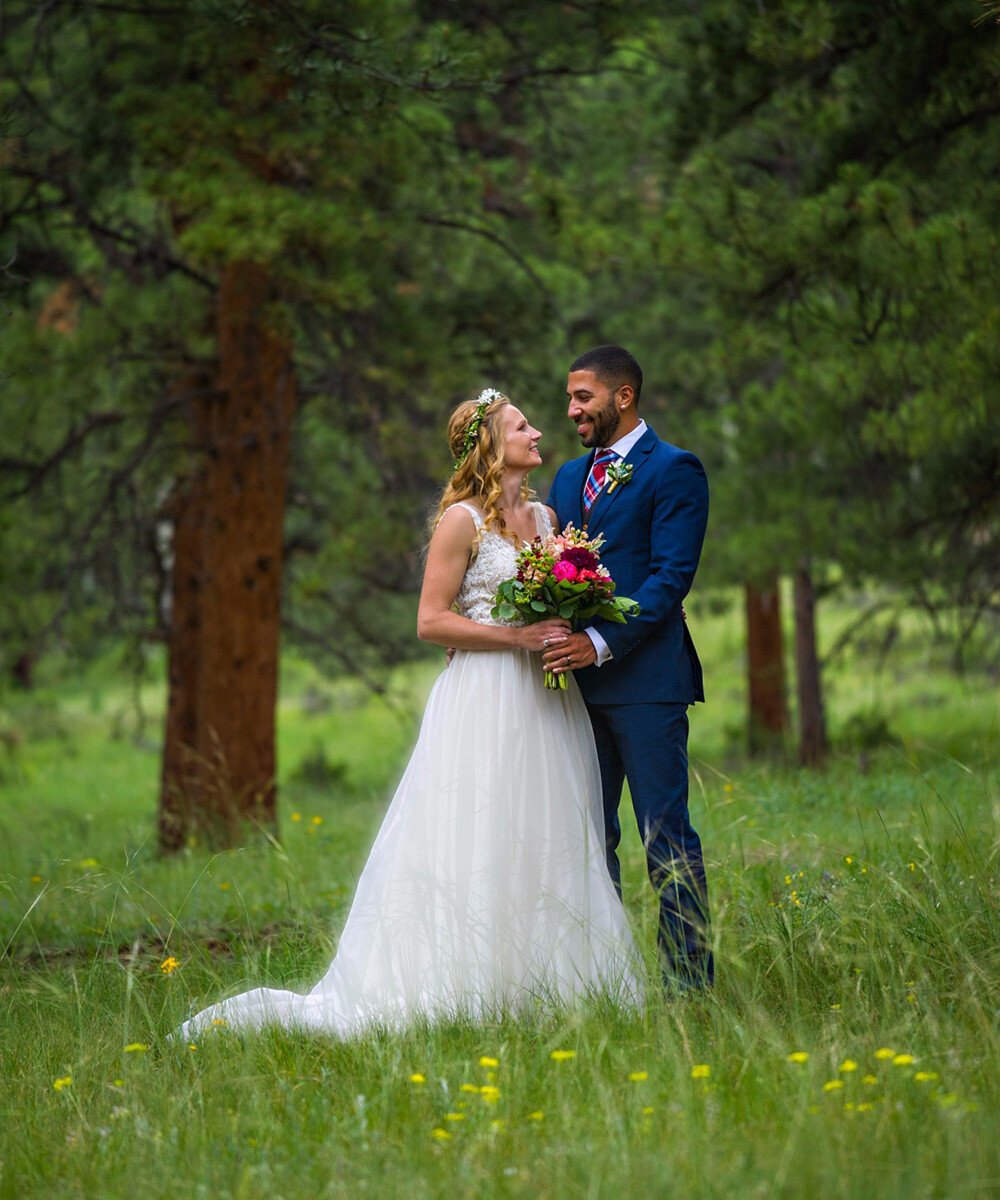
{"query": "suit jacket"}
pixel 653 527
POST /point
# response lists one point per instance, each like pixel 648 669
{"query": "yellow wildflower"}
pixel 486 1061
pixel 866 1106
pixel 136 1047
pixel 638 1076
pixel 562 1055
pixel 948 1099
pixel 192 1045
pixel 469 1087
pixel 497 1126
pixel 537 1115
pixel 902 1060
pixel 925 1076
pixel 169 965
pixel 885 1052
pixel 489 1093
pixel 701 1071
pixel 118 1083
pixel 296 817
pixel 869 1079
pixel 912 866
pixel 848 860
pixel 63 1082
pixel 315 820
pixel 219 1021
pixel 832 1085
pixel 848 1065
pixel 442 1135
pixel 834 1007
pixel 648 1110
pixel 88 862
pixel 799 1056
pixel 36 879
pixel 225 887
pixel 454 1116
pixel 416 1077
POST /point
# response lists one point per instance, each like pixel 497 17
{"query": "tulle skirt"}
pixel 487 890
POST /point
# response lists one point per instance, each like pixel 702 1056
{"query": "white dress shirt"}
pixel 621 448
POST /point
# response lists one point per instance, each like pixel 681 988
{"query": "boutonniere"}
pixel 619 472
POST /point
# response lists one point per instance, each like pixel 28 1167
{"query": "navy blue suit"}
pixel 653 527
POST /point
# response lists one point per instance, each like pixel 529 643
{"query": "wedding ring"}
pixel 545 643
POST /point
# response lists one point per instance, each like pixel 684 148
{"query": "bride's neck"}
pixel 510 489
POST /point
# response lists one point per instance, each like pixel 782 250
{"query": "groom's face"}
pixel 593 408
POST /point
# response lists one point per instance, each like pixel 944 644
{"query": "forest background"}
pixel 253 254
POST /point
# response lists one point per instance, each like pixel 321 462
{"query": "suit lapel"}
pixel 637 456
pixel 580 469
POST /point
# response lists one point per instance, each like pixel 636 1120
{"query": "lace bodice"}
pixel 495 562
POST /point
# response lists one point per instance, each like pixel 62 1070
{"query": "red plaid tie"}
pixel 595 480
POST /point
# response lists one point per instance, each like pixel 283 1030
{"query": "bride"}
pixel 487 889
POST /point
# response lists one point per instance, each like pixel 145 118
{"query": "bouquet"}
pixel 561 576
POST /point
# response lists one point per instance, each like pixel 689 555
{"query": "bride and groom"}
pixel 493 885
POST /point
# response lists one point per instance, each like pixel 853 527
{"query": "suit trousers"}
pixel 647 744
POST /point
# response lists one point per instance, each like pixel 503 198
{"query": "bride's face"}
pixel 520 452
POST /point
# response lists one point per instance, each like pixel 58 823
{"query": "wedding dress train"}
pixel 487 889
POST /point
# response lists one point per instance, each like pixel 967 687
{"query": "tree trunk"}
pixel 768 699
pixel 809 685
pixel 219 758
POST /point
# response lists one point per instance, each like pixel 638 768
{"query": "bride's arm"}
pixel 447 560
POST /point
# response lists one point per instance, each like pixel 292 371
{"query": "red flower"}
pixel 581 558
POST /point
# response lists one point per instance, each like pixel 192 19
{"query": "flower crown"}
pixel 483 401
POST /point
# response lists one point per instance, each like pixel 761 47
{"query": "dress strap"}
pixel 477 516
pixel 543 522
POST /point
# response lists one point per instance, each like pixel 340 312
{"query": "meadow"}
pixel 849 1049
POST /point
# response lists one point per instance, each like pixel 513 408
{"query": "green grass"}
pixel 855 910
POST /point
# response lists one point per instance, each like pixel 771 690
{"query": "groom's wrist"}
pixel 601 647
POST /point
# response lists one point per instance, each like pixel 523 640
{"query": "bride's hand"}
pixel 544 634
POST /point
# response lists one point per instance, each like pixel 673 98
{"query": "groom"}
pixel 650 501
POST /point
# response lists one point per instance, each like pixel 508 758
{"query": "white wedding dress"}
pixel 487 890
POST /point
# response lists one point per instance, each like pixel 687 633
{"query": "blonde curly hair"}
pixel 479 474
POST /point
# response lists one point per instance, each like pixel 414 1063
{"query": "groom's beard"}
pixel 605 427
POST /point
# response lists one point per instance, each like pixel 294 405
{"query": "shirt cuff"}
pixel 601 646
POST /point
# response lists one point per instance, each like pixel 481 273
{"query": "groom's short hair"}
pixel 612 365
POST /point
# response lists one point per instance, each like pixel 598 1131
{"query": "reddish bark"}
pixel 809 683
pixel 768 698
pixel 219 761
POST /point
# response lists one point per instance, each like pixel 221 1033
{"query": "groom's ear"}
pixel 625 397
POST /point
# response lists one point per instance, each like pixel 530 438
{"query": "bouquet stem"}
pixel 556 683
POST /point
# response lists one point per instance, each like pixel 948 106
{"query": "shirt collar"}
pixel 625 444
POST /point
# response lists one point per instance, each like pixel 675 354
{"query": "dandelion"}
pixel 925 1076
pixel 489 1093
pixel 869 1079
pixel 315 820
pixel 36 879
pixel 562 1055
pixel 865 1106
pixel 728 789
pixel 136 1047
pixel 296 817
pixel 416 1077
pixel 117 1083
pixel 834 1007
pixel 832 1085
pixel 486 1061
pixel 848 860
pixel 701 1071
pixel 441 1135
pixel 537 1115
pixel 170 965
pixel 87 862
pixel 63 1082
pixel 192 1045
pixel 453 1116
pixel 848 1065
pixel 648 1110
pixel 902 1060
pixel 469 1087
pixel 788 881
pixel 799 1056
pixel 885 1052
pixel 638 1076
pixel 911 866
pixel 219 1021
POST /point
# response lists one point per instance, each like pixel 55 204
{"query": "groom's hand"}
pixel 570 655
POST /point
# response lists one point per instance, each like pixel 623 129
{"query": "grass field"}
pixel 850 1048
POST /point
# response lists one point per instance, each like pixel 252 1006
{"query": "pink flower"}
pixel 586 576
pixel 564 570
